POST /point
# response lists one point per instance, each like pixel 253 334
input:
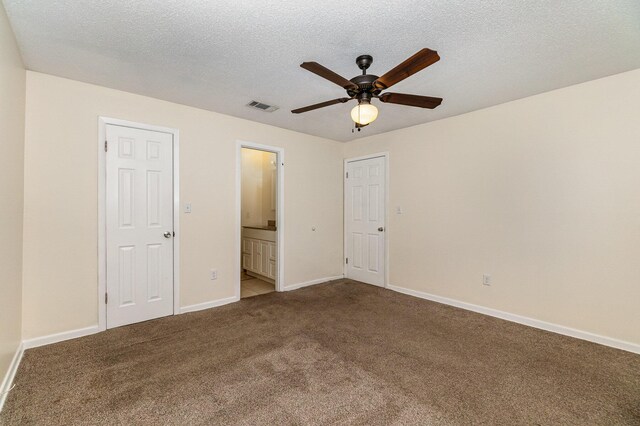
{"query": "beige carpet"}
pixel 336 353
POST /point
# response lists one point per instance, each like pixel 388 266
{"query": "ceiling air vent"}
pixel 261 106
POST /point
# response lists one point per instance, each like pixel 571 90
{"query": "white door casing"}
pixel 277 269
pixel 365 211
pixel 139 225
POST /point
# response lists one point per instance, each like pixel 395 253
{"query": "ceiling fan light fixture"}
pixel 364 113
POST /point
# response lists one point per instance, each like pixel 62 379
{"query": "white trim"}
pixel 11 374
pixel 279 212
pixel 367 157
pixel 60 337
pixel 208 305
pixel 531 322
pixel 312 282
pixel 387 175
pixel 102 223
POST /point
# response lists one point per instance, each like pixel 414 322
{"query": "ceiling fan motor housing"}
pixel 365 85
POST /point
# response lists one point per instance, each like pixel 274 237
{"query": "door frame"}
pixel 385 155
pixel 102 208
pixel 279 211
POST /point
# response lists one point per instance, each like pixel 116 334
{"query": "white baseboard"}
pixel 81 332
pixel 312 282
pixel 531 322
pixel 207 305
pixel 11 373
pixel 60 337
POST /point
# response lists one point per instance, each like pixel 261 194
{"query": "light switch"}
pixel 399 210
pixel 187 208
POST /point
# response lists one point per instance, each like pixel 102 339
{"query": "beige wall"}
pixel 542 193
pixel 12 94
pixel 61 157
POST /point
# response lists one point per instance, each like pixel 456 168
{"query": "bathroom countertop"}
pixel 266 228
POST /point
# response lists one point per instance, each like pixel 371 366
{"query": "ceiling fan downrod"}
pixel 364 62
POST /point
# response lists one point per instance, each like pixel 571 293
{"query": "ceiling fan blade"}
pixel 323 72
pixel 321 105
pixel 417 62
pixel 410 100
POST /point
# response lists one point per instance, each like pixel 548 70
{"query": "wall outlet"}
pixel 213 274
pixel 486 279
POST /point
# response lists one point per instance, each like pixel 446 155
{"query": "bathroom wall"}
pixel 269 180
pixel 258 198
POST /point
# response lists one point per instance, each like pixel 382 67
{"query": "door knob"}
pixel 167 234
pixel 381 229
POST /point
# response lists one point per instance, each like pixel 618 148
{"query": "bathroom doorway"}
pixel 260 220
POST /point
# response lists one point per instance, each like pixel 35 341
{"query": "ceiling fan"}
pixel 365 87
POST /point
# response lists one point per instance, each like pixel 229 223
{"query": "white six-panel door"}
pixel 365 220
pixel 139 225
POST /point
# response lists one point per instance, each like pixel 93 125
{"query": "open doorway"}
pixel 259 250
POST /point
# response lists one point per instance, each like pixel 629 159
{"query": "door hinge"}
pixel 347 260
pixel 105 146
pixel 106 298
pixel 347 175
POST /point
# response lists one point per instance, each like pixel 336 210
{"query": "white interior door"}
pixel 139 225
pixel 365 220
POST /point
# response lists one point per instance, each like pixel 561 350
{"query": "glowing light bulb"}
pixel 364 113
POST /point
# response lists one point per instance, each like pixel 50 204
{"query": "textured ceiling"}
pixel 219 55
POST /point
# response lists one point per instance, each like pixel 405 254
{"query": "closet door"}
pixel 139 225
